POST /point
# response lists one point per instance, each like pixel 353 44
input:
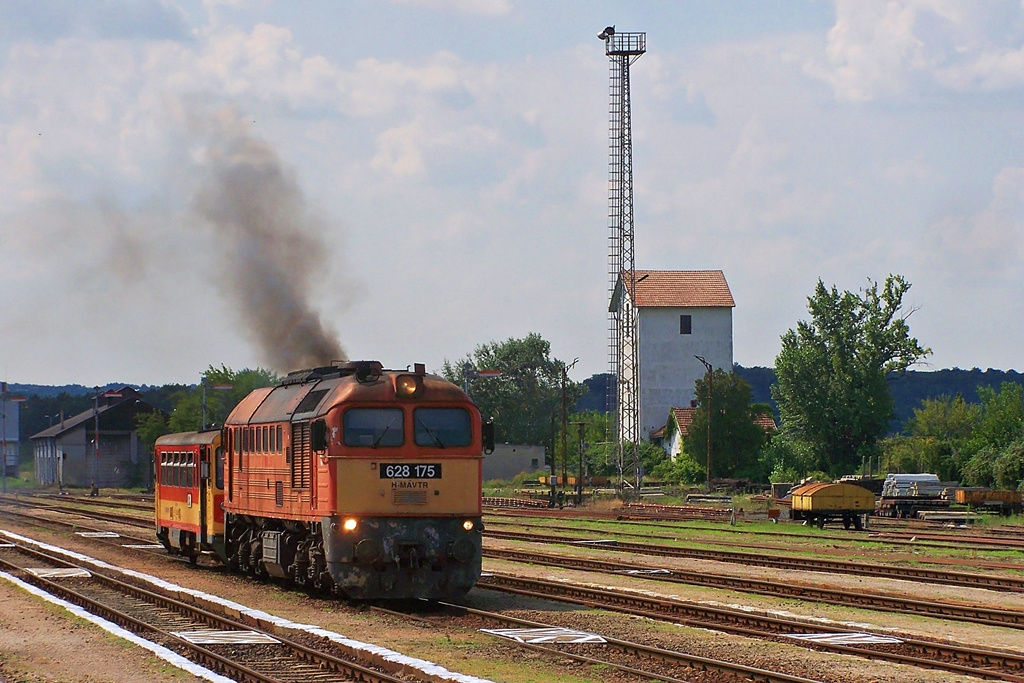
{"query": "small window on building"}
pixel 685 324
pixel 535 463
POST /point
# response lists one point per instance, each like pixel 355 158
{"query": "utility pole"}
pixel 579 466
pixel 217 387
pixel 96 442
pixel 565 417
pixel 707 366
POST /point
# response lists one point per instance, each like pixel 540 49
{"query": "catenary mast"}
pixel 622 50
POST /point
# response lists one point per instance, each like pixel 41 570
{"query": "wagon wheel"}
pixel 821 522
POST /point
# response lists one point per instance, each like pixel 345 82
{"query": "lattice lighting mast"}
pixel 622 50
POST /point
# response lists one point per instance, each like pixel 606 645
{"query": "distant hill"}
pixel 48 391
pixel 908 390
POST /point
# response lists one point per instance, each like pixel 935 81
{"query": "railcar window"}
pixel 442 427
pixel 190 469
pixel 373 427
pixel 175 459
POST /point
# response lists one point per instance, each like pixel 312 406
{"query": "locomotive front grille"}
pixel 409 497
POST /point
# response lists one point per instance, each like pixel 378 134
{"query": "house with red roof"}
pixel 678 427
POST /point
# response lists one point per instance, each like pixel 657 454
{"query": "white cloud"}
pixel 987 246
pixel 484 7
pixel 904 48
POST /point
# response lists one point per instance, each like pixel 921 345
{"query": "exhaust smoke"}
pixel 271 249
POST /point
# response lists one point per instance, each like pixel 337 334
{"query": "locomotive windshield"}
pixel 373 427
pixel 442 427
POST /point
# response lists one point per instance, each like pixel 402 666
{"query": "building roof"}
pixel 106 402
pixel 684 418
pixel 766 422
pixel 681 289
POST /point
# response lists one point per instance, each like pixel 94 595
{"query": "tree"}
pixel 526 396
pixel 939 437
pixel 832 371
pixel 736 438
pixel 998 441
pixel 784 460
pixel 224 389
pixel 150 427
pixel 1002 420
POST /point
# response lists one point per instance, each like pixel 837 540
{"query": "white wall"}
pixel 508 460
pixel 668 369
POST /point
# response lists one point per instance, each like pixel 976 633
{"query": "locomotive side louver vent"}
pixel 300 455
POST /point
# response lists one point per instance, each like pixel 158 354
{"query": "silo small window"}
pixel 685 324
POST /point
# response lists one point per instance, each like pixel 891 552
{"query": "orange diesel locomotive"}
pixel 350 478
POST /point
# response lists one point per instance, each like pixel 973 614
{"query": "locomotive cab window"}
pixel 373 427
pixel 442 427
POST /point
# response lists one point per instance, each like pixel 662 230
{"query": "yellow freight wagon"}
pixel 1003 502
pixel 820 503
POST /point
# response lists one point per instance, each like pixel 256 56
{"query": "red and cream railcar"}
pixel 356 479
pixel 190 492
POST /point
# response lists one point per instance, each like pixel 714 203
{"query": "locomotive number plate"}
pixel 411 471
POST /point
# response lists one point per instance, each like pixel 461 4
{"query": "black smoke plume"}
pixel 271 249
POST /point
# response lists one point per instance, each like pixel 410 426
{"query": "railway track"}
pixel 1004 583
pixel 876 533
pixel 965 660
pixel 596 652
pixel 238 650
pixel 674 534
pixel 996 665
pixel 919 574
pixel 874 601
pixel 667 658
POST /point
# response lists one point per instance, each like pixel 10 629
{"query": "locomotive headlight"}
pixel 408 386
pixel 468 525
pixel 350 524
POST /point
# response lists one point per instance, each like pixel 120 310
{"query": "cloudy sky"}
pixel 423 176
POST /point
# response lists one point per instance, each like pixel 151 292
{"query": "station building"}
pixel 69 454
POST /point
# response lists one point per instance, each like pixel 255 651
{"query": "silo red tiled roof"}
pixel 681 289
